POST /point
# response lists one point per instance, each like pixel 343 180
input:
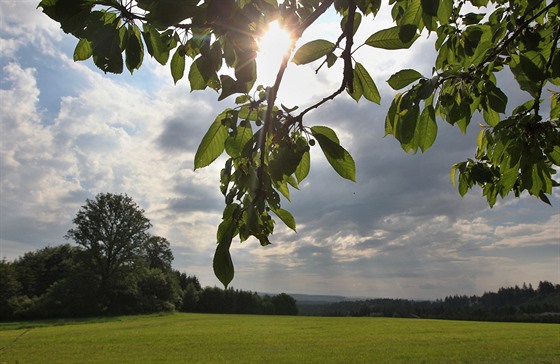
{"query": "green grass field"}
pixel 201 338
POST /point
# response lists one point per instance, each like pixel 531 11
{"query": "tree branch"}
pixel 348 72
pixel 273 91
pixel 518 31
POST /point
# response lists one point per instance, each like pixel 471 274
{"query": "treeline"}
pixel 53 282
pixel 523 304
pixel 116 267
pixel 217 300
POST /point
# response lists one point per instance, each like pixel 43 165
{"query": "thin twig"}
pixel 348 73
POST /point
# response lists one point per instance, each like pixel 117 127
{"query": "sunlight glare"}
pixel 275 42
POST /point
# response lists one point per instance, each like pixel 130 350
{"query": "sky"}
pixel 69 132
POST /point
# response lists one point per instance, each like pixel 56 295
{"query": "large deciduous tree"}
pixel 130 269
pixel 268 144
pixel 112 230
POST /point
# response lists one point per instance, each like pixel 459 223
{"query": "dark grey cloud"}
pixel 184 130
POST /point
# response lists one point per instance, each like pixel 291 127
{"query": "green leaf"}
pixel 491 117
pixel 369 88
pixel 497 100
pixel 246 71
pixel 508 179
pixel 326 131
pixel 286 218
pixel 413 14
pixel 83 50
pixel 445 10
pixel 165 13
pixel 403 78
pixel 522 67
pixel 156 43
pixel 341 161
pixel 533 180
pixel 134 49
pixel 357 91
pixel 532 67
pixel 430 7
pixel 357 21
pixel 231 86
pixel 284 190
pixel 222 263
pixel 303 167
pixel 393 116
pixel 453 174
pixel 212 144
pixel 202 75
pixel 235 143
pixel 554 155
pixel 479 3
pixel 463 183
pixel 312 51
pixel 483 48
pixel 398 37
pixel 331 59
pixel 177 65
pixel 69 13
pixel 106 41
pixel 427 128
pixel 406 128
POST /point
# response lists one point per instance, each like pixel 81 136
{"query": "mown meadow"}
pixel 206 338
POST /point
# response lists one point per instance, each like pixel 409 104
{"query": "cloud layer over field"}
pixel 69 132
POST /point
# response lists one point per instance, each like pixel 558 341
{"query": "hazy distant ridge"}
pixel 316 298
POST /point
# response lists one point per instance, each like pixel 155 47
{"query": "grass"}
pixel 201 338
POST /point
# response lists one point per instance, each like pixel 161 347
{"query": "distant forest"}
pixel 524 304
pixel 55 282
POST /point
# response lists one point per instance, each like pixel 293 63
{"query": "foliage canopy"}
pixel 127 268
pixel 268 144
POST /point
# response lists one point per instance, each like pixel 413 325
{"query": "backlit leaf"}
pixel 369 89
pixel 177 65
pixel 341 161
pixel 312 51
pixel 303 167
pixel 286 218
pixel 156 43
pixel 134 49
pixel 212 144
pixel 427 128
pixel 234 144
pixel 403 78
pixel 398 37
pixel 83 50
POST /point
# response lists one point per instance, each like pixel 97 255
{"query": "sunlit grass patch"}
pixel 182 338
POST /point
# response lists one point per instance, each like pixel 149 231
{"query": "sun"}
pixel 275 42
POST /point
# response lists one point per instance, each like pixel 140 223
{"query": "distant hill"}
pixel 507 304
pixel 316 299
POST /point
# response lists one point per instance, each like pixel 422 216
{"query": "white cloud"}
pixel 23 24
pixel 528 235
pixel 401 231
